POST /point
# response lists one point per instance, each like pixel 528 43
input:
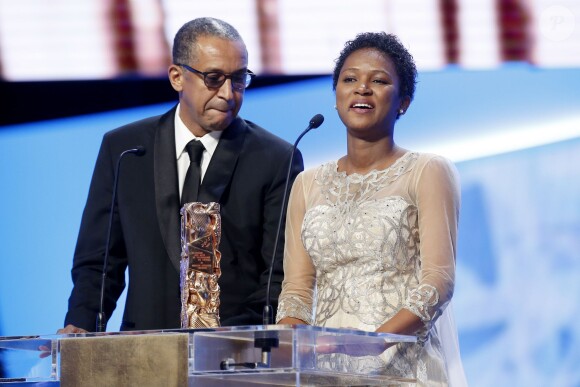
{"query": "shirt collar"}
pixel 183 135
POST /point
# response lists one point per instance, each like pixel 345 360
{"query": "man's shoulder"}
pixel 140 127
pixel 262 136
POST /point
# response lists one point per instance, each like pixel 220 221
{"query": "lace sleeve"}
pixel 438 201
pixel 297 297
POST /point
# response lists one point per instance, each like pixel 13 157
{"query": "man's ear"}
pixel 176 77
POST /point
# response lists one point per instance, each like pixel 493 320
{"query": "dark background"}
pixel 36 101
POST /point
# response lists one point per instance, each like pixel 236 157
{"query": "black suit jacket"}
pixel 246 176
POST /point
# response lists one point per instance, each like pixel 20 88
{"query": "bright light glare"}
pixel 508 140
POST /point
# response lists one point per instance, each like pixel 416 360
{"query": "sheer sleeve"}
pixel 438 200
pixel 297 297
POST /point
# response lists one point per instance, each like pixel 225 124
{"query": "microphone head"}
pixel 139 150
pixel 316 121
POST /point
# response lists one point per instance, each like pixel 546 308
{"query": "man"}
pixel 243 168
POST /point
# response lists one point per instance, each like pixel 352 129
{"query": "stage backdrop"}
pixel 514 134
pixel 97 39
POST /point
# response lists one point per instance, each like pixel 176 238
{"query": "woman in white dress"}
pixel 371 237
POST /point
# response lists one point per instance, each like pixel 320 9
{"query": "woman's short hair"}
pixel 390 46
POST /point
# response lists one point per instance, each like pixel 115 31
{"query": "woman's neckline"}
pixel 395 163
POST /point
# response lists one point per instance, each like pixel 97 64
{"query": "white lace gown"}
pixel 361 247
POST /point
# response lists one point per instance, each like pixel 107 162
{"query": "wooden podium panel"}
pixel 125 360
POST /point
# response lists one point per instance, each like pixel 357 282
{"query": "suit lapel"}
pixel 215 181
pixel 223 162
pixel 167 187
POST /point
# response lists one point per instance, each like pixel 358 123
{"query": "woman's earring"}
pixel 335 108
pixel 401 112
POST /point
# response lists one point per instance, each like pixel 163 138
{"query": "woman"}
pixel 371 238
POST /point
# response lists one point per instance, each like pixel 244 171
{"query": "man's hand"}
pixel 70 329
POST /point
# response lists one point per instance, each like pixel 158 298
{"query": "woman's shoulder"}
pixel 319 174
pixel 325 169
pixel 435 166
pixel 432 160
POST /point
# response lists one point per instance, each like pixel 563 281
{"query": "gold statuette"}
pixel 200 265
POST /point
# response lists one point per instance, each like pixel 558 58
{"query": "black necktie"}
pixel 193 177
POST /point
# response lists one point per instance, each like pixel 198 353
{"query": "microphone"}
pixel 101 317
pixel 264 339
pixel 268 313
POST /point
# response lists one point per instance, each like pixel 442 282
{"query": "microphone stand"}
pixel 101 324
pixel 268 312
pixel 264 339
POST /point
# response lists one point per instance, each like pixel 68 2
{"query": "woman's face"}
pixel 367 94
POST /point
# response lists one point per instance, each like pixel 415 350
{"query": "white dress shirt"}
pixel 183 136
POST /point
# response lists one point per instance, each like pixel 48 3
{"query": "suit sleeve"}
pixel 84 301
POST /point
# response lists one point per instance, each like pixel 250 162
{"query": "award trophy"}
pixel 200 265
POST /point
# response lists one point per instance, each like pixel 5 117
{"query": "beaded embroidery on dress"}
pixel 364 246
pixel 365 251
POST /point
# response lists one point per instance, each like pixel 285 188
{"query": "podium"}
pixel 272 355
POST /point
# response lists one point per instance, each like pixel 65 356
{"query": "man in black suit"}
pixel 243 168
